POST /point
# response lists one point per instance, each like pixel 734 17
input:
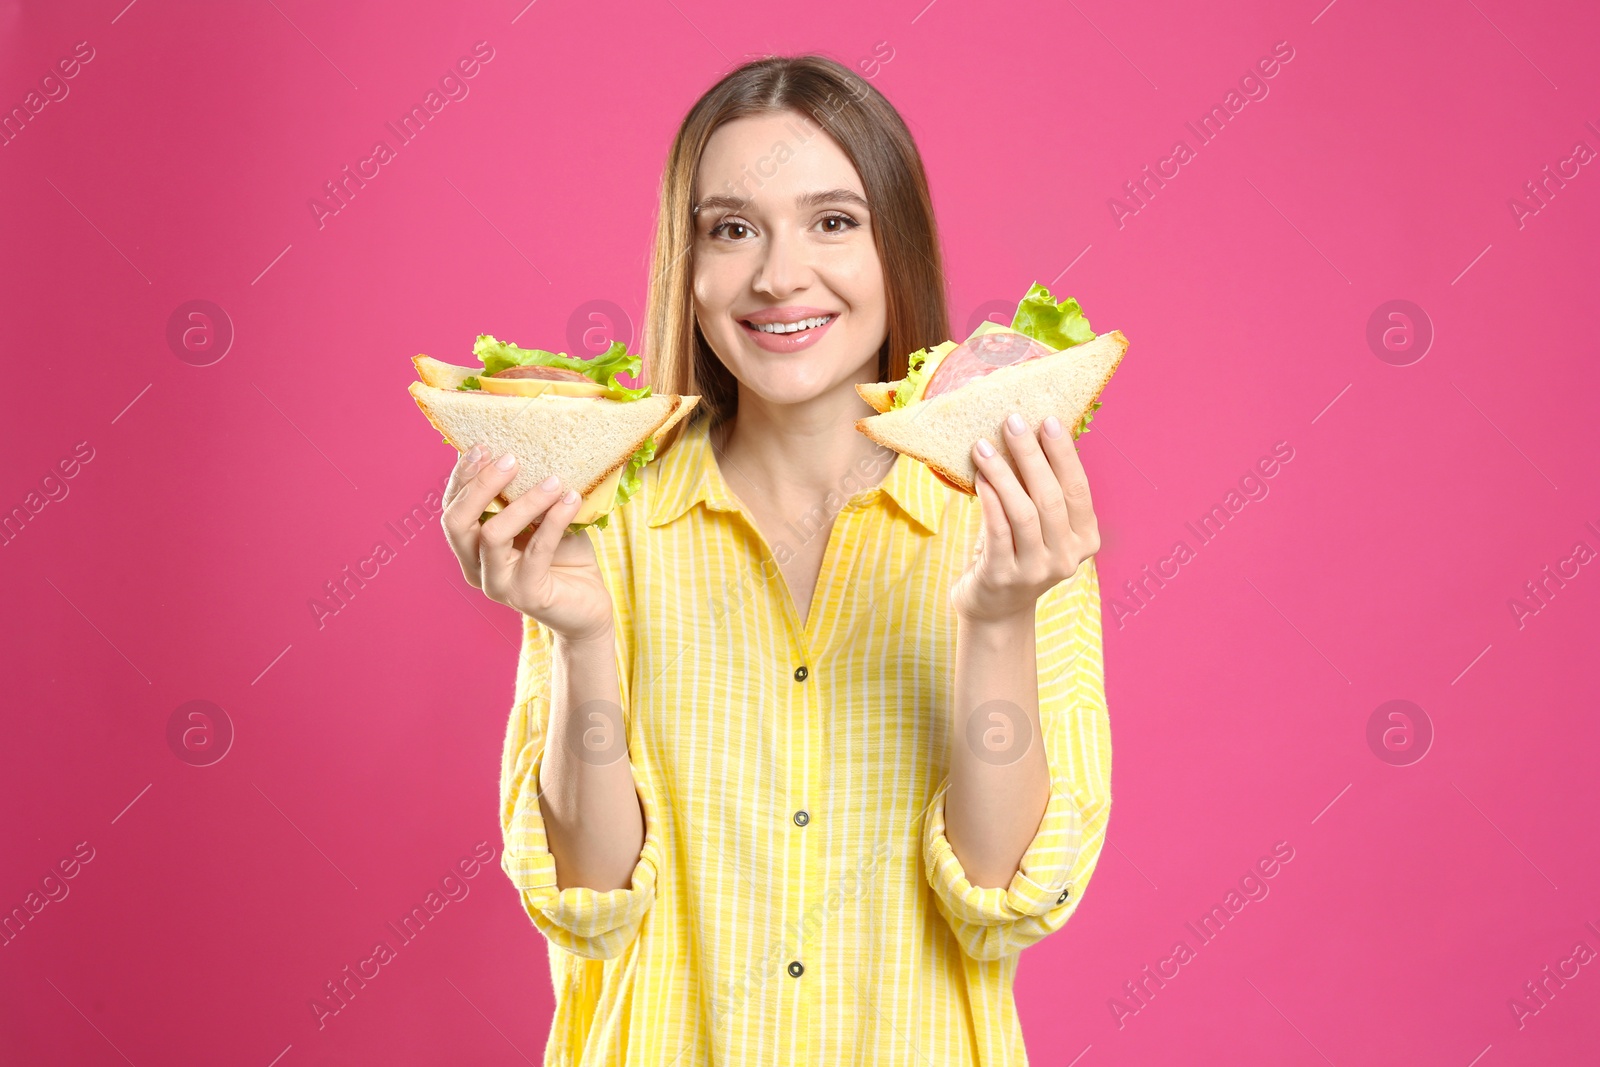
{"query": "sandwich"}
pixel 557 414
pixel 1047 362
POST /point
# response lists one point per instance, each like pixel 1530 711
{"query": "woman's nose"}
pixel 783 266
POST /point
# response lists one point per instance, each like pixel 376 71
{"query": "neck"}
pixel 791 456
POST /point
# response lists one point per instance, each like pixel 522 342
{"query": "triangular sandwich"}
pixel 557 414
pixel 1048 362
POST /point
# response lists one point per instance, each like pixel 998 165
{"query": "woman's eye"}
pixel 733 230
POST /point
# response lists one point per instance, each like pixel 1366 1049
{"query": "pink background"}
pixel 1419 500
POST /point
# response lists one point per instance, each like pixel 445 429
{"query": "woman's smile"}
pixel 787 329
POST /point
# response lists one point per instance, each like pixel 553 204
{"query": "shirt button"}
pixel 801 818
pixel 1062 899
pixel 796 968
pixel 800 673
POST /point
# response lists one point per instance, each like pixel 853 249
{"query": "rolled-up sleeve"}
pixel 990 922
pixel 587 922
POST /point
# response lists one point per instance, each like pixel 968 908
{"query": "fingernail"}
pixel 550 483
pixel 985 449
pixel 475 454
pixel 1052 426
pixel 569 496
pixel 1015 424
pixel 506 462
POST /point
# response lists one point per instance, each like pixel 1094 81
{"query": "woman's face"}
pixel 783 237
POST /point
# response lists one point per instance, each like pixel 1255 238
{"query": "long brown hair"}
pixel 875 139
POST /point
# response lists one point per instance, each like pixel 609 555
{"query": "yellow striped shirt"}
pixel 796 902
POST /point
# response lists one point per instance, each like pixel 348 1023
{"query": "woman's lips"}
pixel 787 342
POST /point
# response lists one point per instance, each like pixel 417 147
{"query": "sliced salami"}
pixel 533 370
pixel 977 356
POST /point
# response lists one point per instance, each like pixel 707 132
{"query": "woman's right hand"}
pixel 549 575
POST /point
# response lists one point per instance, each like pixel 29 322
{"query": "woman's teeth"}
pixel 790 327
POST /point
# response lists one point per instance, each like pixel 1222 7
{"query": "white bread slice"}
pixel 581 440
pixel 879 394
pixel 442 375
pixel 941 432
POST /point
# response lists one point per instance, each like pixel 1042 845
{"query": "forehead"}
pixel 771 159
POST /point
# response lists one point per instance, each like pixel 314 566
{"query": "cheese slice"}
pixel 538 387
pixel 604 497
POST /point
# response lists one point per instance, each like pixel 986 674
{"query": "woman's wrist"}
pixel 604 636
pixel 997 629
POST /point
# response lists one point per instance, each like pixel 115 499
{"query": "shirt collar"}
pixel 688 475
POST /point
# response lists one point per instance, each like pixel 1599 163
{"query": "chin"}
pixel 779 394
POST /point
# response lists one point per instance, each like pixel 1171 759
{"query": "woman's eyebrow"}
pixel 826 196
pixel 832 196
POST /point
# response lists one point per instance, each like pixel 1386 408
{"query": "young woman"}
pixel 806 746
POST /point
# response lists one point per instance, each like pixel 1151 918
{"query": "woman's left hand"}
pixel 1035 532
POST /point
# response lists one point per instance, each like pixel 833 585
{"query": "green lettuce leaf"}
pixel 915 366
pixel 1057 324
pixel 1083 423
pixel 603 369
